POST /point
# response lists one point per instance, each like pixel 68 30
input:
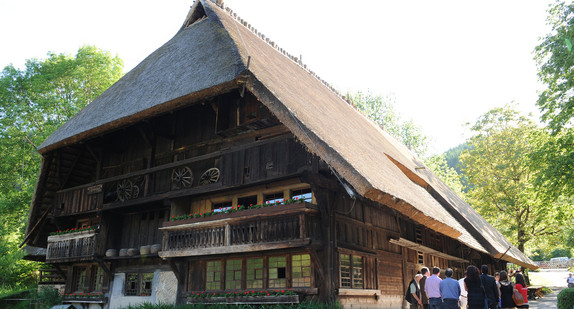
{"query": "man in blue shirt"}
pixel 449 291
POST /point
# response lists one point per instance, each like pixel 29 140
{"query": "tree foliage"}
pixel 501 177
pixel 34 101
pixel 555 58
pixel 381 110
pixel 439 165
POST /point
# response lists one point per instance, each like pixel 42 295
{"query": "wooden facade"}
pixel 228 193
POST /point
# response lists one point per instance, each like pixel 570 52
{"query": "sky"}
pixel 443 62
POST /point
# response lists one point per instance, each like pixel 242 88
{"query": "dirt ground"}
pixel 555 279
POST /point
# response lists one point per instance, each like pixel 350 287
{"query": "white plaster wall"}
pixel 164 291
pixel 166 288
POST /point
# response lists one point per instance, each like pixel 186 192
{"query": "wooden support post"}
pixel 60 271
pixel 104 267
pixel 176 271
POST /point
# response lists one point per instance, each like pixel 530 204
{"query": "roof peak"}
pixel 270 42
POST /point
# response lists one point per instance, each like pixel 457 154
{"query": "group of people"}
pixel 476 290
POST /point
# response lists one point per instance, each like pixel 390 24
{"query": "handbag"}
pixel 517 297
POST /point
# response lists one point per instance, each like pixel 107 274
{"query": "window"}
pixel 80 279
pixel 219 207
pixel 277 272
pixel 233 274
pixel 302 194
pixel 301 270
pixel 247 201
pixel 254 273
pixel 138 284
pixel 274 272
pixel 351 271
pixel 273 198
pixel 97 278
pixel 213 281
pixel 357 272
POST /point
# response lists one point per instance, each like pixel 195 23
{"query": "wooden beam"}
pixel 104 267
pixel 175 269
pixel 316 264
pixel 237 248
pixel 36 225
pixel 182 162
pixel 60 271
pixel 72 167
pixel 418 247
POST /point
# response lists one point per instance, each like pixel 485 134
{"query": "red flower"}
pixel 282 291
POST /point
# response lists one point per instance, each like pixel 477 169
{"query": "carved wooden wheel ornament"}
pixel 181 177
pixel 126 190
pixel 209 176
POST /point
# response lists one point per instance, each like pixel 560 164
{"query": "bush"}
pixel 303 305
pixel 546 290
pixel 566 299
pixel 48 297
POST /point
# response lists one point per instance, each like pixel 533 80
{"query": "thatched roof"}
pixel 214 54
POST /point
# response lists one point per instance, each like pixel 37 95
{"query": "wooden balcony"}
pixel 73 247
pixel 275 227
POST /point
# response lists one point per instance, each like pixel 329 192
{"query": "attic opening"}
pixel 197 13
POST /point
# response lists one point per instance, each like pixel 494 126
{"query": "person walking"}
pixel 449 291
pixel 426 273
pixel 490 287
pixel 474 289
pixel 463 292
pixel 432 288
pixel 506 289
pixel 570 281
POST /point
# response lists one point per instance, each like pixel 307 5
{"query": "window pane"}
pixel 146 287
pixel 357 272
pixel 303 194
pixel 277 272
pixel 213 281
pixel 273 198
pixel 233 275
pixel 219 207
pixel 132 284
pixel 98 278
pixel 247 201
pixel 255 273
pixel 301 270
pixel 345 271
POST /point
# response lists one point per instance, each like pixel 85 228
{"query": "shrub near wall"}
pixel 566 299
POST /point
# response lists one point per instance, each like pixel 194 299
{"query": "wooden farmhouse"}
pixel 222 170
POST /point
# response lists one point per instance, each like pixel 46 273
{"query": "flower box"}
pixel 85 300
pixel 249 212
pixel 255 300
pixel 68 236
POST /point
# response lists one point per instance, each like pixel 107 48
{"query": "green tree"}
pixel 439 165
pixel 555 58
pixel 34 101
pixel 381 111
pixel 501 178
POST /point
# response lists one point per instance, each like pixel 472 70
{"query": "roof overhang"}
pixel 418 247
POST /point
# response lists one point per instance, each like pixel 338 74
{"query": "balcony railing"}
pixel 71 247
pixel 268 228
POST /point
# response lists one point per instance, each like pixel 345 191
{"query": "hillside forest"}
pixel 516 171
